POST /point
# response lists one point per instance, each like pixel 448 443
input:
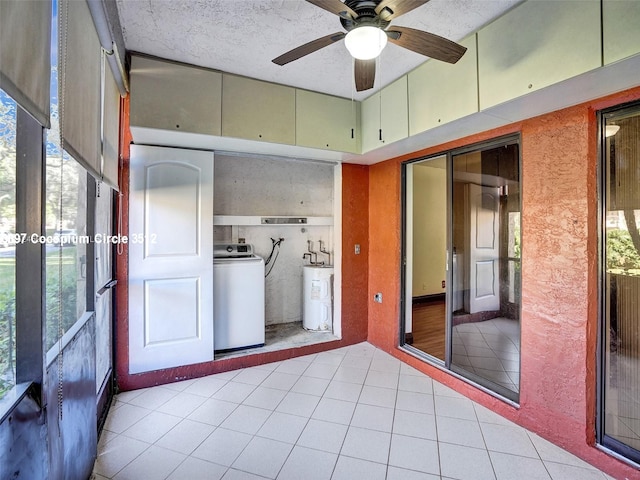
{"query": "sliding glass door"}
pixel 462 263
pixel 620 286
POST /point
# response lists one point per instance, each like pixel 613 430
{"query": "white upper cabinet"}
pixel 327 122
pixel 171 96
pixel 258 110
pixel 537 44
pixel 384 116
pixel 621 32
pixel 441 92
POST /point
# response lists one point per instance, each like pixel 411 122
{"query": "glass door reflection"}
pixel 485 320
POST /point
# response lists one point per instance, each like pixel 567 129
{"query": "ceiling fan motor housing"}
pixel 367 43
pixel 367 15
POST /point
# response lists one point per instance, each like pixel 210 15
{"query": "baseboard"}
pixel 435 298
pixel 476 317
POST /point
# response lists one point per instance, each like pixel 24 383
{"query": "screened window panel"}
pixel 80 79
pixel 110 128
pixel 25 49
pixel 8 241
pixel 621 283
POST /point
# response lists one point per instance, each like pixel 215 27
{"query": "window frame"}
pixel 30 287
pixel 52 352
pixel 613 446
pixel 30 149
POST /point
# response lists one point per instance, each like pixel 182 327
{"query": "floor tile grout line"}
pixel 484 441
pixel 133 459
pixel 351 419
pixel 544 464
pixel 435 421
pixel 393 422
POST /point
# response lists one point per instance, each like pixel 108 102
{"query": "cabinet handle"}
pixel 380 134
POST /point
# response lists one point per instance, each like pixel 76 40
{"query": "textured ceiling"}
pixel 242 36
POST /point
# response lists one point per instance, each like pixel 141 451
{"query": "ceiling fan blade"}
pixel 334 6
pixel 427 44
pixel 308 48
pixel 365 74
pixel 390 9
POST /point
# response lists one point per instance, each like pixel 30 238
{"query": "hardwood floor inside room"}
pixel 429 328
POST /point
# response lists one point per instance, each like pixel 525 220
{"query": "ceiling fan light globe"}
pixel 365 43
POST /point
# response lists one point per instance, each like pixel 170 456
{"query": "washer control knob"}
pixel 229 249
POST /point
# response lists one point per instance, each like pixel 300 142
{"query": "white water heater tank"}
pixel 318 298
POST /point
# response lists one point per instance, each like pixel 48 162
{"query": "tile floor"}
pixel 346 414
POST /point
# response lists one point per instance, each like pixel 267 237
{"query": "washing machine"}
pixel 238 297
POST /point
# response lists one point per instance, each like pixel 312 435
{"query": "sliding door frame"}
pixel 621 450
pixel 404 287
pixel 510 139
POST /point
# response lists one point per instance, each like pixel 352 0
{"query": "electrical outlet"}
pixel 443 284
pixel 357 249
pixel 377 297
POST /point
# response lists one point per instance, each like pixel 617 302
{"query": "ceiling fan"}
pixel 367 23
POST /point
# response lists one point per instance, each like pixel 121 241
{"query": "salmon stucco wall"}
pixel 355 267
pixel 384 253
pixel 559 273
pixel 559 276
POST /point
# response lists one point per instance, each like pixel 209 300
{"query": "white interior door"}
pixel 170 258
pixel 484 253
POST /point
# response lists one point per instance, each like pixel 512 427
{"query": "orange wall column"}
pixel 121 331
pixel 559 274
pixel 355 267
pixel 384 253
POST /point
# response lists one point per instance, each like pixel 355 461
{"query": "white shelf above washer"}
pixel 271 220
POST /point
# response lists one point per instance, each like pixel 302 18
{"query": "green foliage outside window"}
pixel 7 333
pixel 622 256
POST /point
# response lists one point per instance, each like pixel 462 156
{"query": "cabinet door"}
pixel 327 122
pixel 441 92
pixel 171 96
pixel 258 110
pixel 537 44
pixel 621 29
pixel 388 124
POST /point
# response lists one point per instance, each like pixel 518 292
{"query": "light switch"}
pixel 357 249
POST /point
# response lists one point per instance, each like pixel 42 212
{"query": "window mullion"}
pixel 30 286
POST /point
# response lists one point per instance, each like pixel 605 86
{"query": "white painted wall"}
pixel 429 228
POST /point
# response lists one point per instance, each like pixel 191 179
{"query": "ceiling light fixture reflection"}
pixel 365 43
pixel 611 130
